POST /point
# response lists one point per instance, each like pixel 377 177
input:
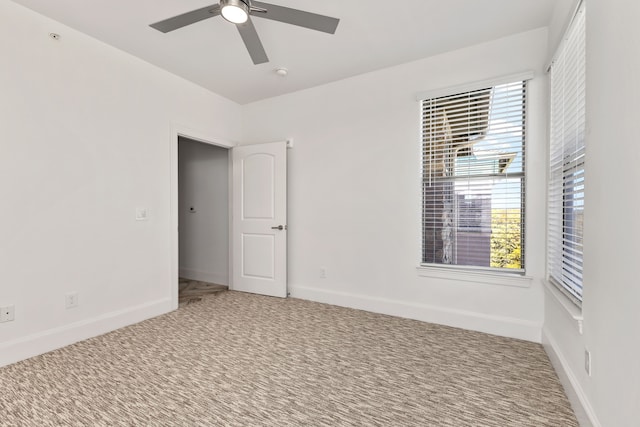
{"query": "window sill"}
pixel 568 307
pixel 484 277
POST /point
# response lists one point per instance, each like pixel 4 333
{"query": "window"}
pixel 567 162
pixel 473 178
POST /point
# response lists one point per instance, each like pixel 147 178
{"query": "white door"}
pixel 259 229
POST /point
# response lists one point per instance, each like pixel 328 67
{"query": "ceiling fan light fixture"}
pixel 235 11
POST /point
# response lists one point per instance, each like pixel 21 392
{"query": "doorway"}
pixel 257 209
pixel 203 219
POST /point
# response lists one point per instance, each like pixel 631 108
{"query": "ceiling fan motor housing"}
pixel 235 11
pixel 234 3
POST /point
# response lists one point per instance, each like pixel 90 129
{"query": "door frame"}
pixel 178 130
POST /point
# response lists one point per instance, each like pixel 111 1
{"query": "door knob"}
pixel 280 227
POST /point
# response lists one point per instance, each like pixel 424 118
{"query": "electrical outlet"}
pixel 71 299
pixel 323 273
pixel 587 361
pixel 7 314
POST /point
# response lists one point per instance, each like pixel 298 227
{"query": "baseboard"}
pixel 218 279
pixel 496 325
pixel 52 339
pixel 575 393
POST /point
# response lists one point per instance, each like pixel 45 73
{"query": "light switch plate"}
pixel 142 214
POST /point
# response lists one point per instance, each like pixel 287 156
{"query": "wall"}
pixel 204 232
pixel 354 191
pixel 610 396
pixel 563 11
pixel 85 140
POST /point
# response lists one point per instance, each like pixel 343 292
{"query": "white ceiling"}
pixel 211 54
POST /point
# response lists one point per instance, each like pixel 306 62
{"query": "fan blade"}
pixel 252 42
pixel 187 18
pixel 297 17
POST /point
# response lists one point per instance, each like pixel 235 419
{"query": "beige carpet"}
pixel 237 359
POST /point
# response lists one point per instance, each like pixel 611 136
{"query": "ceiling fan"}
pixel 239 11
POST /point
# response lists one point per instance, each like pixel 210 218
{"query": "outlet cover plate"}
pixel 7 314
pixel 587 361
pixel 71 300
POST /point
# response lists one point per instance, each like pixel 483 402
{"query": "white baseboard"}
pixel 51 339
pixel 572 388
pixel 496 325
pixel 218 279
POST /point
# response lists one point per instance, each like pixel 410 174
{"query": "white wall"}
pixel 204 231
pixel 85 139
pixel 354 190
pixel 611 291
pixel 563 11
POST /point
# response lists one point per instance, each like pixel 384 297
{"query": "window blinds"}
pixel 567 162
pixel 473 178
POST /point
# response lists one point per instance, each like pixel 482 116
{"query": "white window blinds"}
pixel 473 178
pixel 567 162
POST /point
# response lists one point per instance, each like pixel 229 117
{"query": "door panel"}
pixel 259 209
pixel 257 253
pixel 258 186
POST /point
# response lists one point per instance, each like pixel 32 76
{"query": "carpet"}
pixel 236 359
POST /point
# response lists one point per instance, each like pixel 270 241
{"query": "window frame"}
pixel 492 275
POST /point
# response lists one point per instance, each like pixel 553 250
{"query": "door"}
pixel 259 226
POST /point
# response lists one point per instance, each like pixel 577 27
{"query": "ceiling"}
pixel 211 53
